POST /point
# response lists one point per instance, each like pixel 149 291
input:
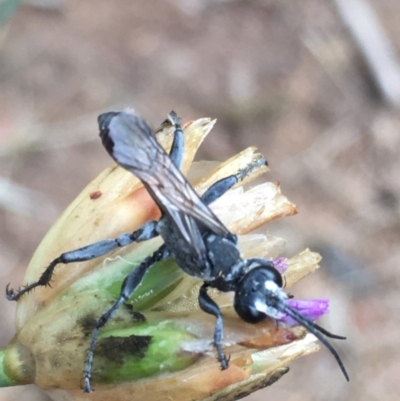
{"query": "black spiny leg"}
pixel 177 149
pixel 209 306
pixel 147 231
pixel 225 184
pixel 129 285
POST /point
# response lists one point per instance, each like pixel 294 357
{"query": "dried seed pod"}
pixel 166 342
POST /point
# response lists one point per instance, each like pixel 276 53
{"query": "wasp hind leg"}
pixel 147 231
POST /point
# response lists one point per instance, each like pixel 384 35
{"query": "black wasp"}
pixel 193 235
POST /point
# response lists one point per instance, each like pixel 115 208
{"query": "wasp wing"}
pixel 133 145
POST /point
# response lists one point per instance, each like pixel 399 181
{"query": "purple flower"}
pixel 280 264
pixel 311 309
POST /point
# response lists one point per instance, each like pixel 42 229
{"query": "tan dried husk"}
pixel 116 202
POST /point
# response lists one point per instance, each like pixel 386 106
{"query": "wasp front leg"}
pixel 209 306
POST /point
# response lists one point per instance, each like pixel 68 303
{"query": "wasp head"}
pixel 259 293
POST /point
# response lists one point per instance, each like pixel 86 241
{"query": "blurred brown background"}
pixel 286 76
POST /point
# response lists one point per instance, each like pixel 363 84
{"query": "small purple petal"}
pixel 280 264
pixel 311 309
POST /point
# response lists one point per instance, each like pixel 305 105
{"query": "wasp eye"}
pixel 246 307
pixel 273 275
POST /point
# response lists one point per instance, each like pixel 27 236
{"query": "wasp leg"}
pixel 147 231
pixel 225 184
pixel 129 285
pixel 218 189
pixel 209 306
pixel 177 149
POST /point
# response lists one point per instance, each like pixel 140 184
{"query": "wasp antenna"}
pixel 317 330
pixel 327 333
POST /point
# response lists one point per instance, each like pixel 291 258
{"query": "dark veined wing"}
pixel 132 144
